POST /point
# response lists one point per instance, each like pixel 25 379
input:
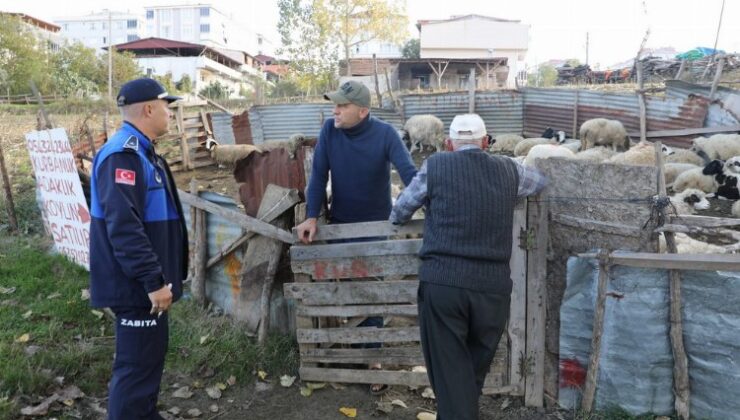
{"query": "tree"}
pixel 411 49
pixel 73 74
pixel 355 22
pixel 546 75
pixel 125 68
pixel 166 81
pixel 22 57
pixel 185 85
pixel 215 90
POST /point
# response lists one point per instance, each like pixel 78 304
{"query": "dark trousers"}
pixel 141 346
pixel 460 331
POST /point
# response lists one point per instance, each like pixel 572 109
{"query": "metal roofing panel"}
pixel 221 124
pixel 724 111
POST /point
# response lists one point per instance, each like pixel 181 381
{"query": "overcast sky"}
pixel 558 27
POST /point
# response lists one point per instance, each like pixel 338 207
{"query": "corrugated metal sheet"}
pixel 223 280
pixel 279 122
pixel 502 111
pixel 554 108
pixel 221 124
pixel 724 111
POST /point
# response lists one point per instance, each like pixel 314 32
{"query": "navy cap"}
pixel 142 90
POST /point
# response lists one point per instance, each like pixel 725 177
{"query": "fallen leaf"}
pixel 183 392
pixel 287 381
pixel 231 381
pixel 59 380
pixel 206 371
pixel 213 408
pixel 6 290
pixel 424 415
pixel 54 295
pixel 349 412
pixel 23 338
pixel 174 410
pixel 506 403
pixel 315 385
pixel 194 412
pixel 197 384
pixel 68 403
pixel 98 314
pixel 85 294
pixel 428 393
pixel 204 338
pixel 306 391
pixel 220 385
pixel 262 374
pixel 385 407
pixel 213 392
pixel 27 314
pixel 399 403
pixel 167 416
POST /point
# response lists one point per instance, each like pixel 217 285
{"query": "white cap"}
pixel 467 127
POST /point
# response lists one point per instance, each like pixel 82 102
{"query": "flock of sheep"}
pixel 710 168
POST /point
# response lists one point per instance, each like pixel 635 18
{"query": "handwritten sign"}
pixel 62 202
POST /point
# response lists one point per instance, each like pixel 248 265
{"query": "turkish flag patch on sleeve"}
pixel 125 176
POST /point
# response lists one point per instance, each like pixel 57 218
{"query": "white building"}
pixel 381 49
pixel 204 24
pixel 474 36
pixel 93 32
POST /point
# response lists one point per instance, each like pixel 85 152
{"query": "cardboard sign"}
pixel 62 202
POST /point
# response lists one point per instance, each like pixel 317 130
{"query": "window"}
pixel 132 38
pixel 205 28
pixel 205 11
pixel 131 24
pixel 150 14
pixel 105 41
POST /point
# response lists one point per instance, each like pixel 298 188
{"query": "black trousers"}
pixel 460 331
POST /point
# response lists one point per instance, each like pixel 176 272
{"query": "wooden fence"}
pixel 328 309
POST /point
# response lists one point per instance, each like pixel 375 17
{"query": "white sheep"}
pixel 736 209
pixel 694 178
pixel 597 154
pixel 505 143
pixel 545 151
pixel 603 132
pixel 719 146
pixel 685 156
pixel 424 130
pixel 689 200
pixel 522 148
pixel 642 154
pixel 673 170
pixel 229 154
pixel 685 244
pixel 571 144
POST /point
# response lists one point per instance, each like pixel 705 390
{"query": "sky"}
pixel 557 27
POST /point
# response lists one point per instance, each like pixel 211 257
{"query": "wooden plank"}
pixel 358 335
pixel 589 389
pixel 348 268
pixel 701 262
pixel 193 125
pixel 536 304
pixel 517 326
pixel 597 225
pixel 12 220
pixel 355 249
pixel 408 356
pixel 184 149
pixel 353 292
pixel 243 220
pixel 200 250
pixel 705 221
pixel 688 131
pixel 367 229
pixel 357 310
pixel 206 124
pixel 215 105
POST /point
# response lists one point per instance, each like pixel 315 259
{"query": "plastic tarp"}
pixel 697 53
pixel 636 362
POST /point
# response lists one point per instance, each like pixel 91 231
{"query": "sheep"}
pixel 595 154
pixel 672 170
pixel 688 245
pixel 727 178
pixel 736 209
pixel 571 144
pixel 603 132
pixel 294 142
pixel 424 130
pixel 689 200
pixel 505 143
pixel 685 156
pixel 643 154
pixel 694 178
pixel 229 154
pixel 522 148
pixel 545 151
pixel 719 146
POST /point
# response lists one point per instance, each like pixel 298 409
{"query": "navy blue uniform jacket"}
pixel 138 238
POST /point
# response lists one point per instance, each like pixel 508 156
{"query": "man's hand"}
pixel 307 230
pixel 161 299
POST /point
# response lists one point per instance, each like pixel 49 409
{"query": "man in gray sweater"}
pixel 464 278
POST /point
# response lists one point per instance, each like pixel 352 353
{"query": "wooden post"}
pixel 589 388
pixel 717 76
pixel 517 326
pixel 471 91
pixel 680 360
pixel 536 303
pixel 377 86
pixel 42 108
pixel 200 249
pixel 185 149
pixel 681 69
pixel 12 220
pixel 641 101
pixel 105 125
pixel 575 116
pixel 388 85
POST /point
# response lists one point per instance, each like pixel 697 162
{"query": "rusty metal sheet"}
pixel 723 111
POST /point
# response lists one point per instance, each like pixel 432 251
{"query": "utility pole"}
pixel 110 57
pixel 586 47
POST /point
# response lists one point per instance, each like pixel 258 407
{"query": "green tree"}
pixel 185 85
pixel 166 81
pixel 355 22
pixel 545 75
pixel 22 57
pixel 411 49
pixel 125 68
pixel 215 90
pixel 73 74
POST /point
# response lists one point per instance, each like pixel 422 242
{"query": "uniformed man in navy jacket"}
pixel 138 247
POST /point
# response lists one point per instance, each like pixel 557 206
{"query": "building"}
pixel 476 37
pixel 204 24
pixel 381 49
pixel 93 32
pixel 47 33
pixel 202 64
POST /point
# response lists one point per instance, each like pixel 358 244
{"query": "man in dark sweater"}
pixel 464 278
pixel 357 150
